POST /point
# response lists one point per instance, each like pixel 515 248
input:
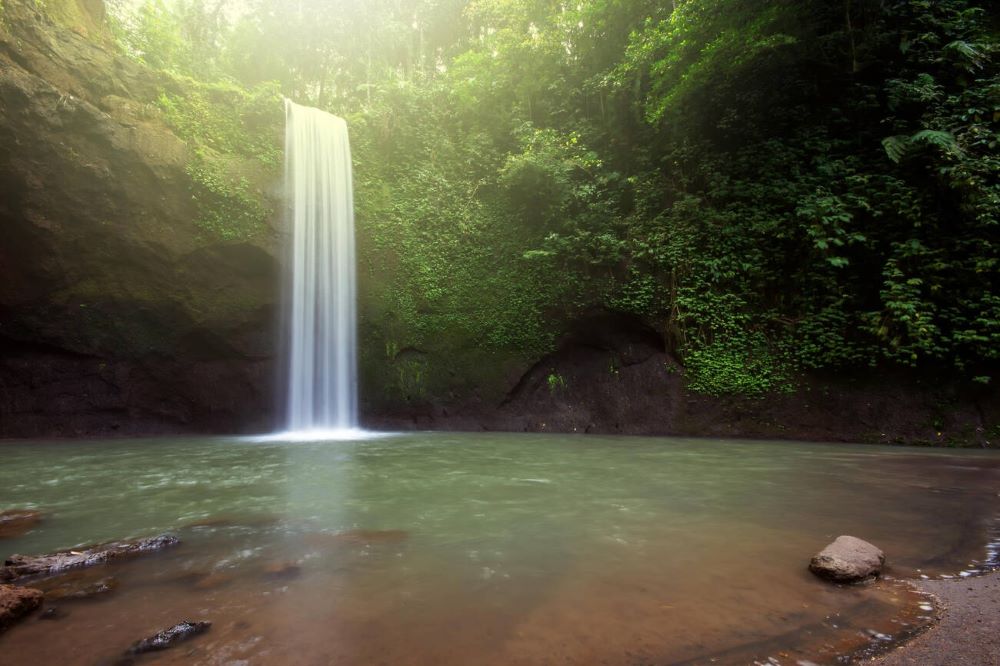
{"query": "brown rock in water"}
pixel 848 560
pixel 16 602
pixel 17 522
pixel 24 566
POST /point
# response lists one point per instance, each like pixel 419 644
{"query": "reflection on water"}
pixel 491 549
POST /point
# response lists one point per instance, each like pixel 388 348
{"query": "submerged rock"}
pixel 24 566
pixel 78 587
pixel 167 638
pixel 17 602
pixel 52 613
pixel 282 570
pixel 214 580
pixel 234 520
pixel 17 522
pixel 848 560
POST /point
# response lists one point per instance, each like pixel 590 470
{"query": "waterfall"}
pixel 320 348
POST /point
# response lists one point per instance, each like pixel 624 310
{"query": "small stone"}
pixel 848 560
pixel 16 603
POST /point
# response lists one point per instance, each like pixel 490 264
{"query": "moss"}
pixel 235 139
pixel 70 14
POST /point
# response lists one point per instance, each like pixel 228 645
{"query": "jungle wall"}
pixel 140 271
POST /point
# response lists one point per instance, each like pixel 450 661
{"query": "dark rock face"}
pixel 17 567
pixel 16 603
pixel 613 374
pixel 848 560
pixel 118 314
pixel 17 522
pixel 167 638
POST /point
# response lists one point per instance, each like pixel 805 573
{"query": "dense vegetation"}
pixel 776 186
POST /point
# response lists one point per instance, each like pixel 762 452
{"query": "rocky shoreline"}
pixel 967 630
pixel 964 632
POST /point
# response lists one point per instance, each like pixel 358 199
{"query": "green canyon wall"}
pixel 140 267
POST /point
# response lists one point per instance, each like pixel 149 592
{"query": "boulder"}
pixel 25 566
pixel 17 522
pixel 16 602
pixel 848 560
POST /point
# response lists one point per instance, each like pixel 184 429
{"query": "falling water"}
pixel 321 363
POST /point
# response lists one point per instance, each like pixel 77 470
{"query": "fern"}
pixel 897 147
pixel 968 56
pixel 943 140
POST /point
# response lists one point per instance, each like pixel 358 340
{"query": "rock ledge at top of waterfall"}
pixel 848 560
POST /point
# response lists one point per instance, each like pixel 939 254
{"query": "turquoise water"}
pixel 492 548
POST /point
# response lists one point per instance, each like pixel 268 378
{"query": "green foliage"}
pixel 555 382
pixel 184 37
pixel 776 186
pixel 742 365
pixel 228 119
pixel 234 137
pixel 229 207
pixel 701 45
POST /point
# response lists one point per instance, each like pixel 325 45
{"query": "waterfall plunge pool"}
pixel 446 548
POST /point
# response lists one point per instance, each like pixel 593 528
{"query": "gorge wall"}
pixel 125 310
pixel 117 313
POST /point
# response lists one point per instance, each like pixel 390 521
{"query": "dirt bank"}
pixel 968 633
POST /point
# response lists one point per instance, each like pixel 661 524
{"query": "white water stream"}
pixel 320 312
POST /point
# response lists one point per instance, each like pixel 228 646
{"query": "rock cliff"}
pixel 117 313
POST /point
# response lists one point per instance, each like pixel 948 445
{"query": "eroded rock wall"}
pixel 117 314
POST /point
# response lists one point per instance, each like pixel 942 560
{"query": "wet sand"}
pixel 968 632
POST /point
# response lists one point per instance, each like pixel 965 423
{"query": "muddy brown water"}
pixel 493 549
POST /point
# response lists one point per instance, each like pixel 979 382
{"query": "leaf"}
pixel 895 147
